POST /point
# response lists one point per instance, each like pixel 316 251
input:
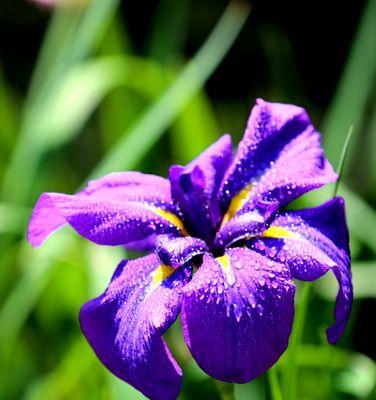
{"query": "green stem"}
pixel 275 388
pixel 289 382
pixel 226 390
pixel 342 159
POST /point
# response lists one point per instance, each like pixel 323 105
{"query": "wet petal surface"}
pixel 196 187
pixel 176 251
pixel 279 158
pixel 113 210
pixel 237 314
pixel 124 326
pixel 312 242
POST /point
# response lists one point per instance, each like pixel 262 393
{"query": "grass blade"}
pixel 275 388
pixel 364 282
pixel 341 163
pixel 290 370
pixel 163 46
pixel 8 118
pixel 194 130
pixel 226 390
pixel 354 88
pixel 83 30
pixel 136 142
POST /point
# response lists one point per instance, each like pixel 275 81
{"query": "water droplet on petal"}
pixel 252 300
pixel 259 309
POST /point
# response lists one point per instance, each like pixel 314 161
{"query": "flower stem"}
pixel 289 382
pixel 341 163
pixel 226 390
pixel 275 388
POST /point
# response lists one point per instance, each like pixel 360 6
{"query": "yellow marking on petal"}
pixel 161 273
pixel 224 262
pixel 278 232
pixel 237 203
pixel 171 217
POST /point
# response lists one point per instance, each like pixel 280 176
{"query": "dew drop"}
pixel 260 309
pixel 252 300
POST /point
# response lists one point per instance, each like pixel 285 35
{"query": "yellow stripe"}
pixel 224 262
pixel 161 273
pixel 278 232
pixel 237 203
pixel 171 217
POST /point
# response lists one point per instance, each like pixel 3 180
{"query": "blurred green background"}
pixel 98 86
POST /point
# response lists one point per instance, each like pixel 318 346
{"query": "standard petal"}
pixel 311 242
pixel 280 157
pixel 246 225
pixel 114 210
pixel 125 325
pixel 237 314
pixel 176 251
pixel 196 187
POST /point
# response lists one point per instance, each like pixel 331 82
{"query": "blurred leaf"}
pixel 84 28
pixel 226 390
pixel 79 93
pixel 361 217
pixel 285 80
pixel 22 300
pixel 275 389
pixel 51 60
pixel 13 218
pixel 119 108
pixel 121 390
pixel 290 370
pixel 151 125
pixel 101 262
pixel 251 390
pixel 364 282
pixel 84 86
pixel 358 372
pixel 77 362
pixel 8 257
pixel 370 153
pixel 165 46
pixel 8 118
pixel 72 35
pixel 359 378
pixel 349 102
pixel 194 130
pixel 341 163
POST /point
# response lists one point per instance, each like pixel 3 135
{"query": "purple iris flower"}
pixel 224 253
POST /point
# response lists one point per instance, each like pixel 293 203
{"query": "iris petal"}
pixel 237 314
pixel 280 157
pixel 124 325
pixel 176 251
pixel 246 225
pixel 312 242
pixel 114 210
pixel 196 187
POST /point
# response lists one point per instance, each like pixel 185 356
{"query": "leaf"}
pixel 73 34
pixel 349 102
pixel 8 118
pixel 151 125
pixel 194 130
pixel 364 282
